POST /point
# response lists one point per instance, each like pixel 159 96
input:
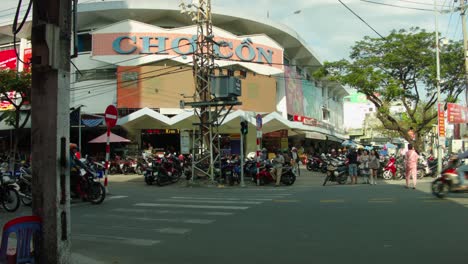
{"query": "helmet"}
pixel 294 149
pixel 73 146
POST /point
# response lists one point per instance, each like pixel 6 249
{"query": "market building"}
pixel 137 56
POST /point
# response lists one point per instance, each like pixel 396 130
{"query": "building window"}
pixel 325 114
pixel 84 42
pixel 129 79
pixel 95 74
pixel 285 61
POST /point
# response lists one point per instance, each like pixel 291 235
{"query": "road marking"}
pixel 132 210
pixel 285 201
pixel 164 230
pixel 332 201
pixel 117 197
pixel 436 201
pixel 381 200
pixel 171 220
pixel 209 201
pixel 220 198
pixel 193 206
pixel 113 239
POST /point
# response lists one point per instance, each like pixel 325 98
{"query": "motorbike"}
pixel 390 169
pixel 9 196
pixel 336 172
pixel 447 182
pixel 86 186
pixel 228 173
pixel 288 177
pixel 162 172
pixel 314 164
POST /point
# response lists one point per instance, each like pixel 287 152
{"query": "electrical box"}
pixel 223 87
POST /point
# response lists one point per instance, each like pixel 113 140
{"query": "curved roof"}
pixel 166 13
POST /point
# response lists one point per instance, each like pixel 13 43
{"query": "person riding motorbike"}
pixel 461 170
pixel 75 166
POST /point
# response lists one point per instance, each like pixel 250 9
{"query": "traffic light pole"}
pixel 242 156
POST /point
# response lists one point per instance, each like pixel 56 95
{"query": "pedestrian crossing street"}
pixel 149 223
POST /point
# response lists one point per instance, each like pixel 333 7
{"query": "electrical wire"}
pixel 422 3
pixel 367 24
pixel 404 7
pixel 450 19
pixel 16 29
pixel 456 28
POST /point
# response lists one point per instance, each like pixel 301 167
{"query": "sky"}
pixel 326 25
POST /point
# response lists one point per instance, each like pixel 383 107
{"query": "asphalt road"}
pixel 304 223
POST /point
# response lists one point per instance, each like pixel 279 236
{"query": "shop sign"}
pixel 457 114
pixel 306 120
pixel 185 142
pixel 161 131
pixel 8 59
pixel 441 120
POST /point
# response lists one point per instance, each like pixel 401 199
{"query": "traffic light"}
pixel 244 127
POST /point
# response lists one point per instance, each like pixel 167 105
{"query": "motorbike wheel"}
pixel 10 199
pixel 440 189
pixel 97 193
pixel 326 179
pixel 387 175
pixel 420 174
pixel 288 179
pixel 126 169
pixel 309 166
pixel 148 181
pixel 175 177
pixel 342 180
pixel 113 170
pixel 26 196
pixel 138 170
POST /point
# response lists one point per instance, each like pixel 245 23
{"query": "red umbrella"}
pixel 113 139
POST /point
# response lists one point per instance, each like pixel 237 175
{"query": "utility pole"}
pixel 465 50
pixel 440 116
pixel 206 147
pixel 51 39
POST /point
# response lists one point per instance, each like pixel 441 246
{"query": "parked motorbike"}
pixel 86 185
pixel 447 182
pixel 390 169
pixel 9 196
pixel 314 163
pixel 162 172
pixel 336 172
pixel 288 177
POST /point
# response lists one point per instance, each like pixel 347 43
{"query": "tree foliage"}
pixel 401 68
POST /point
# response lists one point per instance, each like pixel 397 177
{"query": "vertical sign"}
pixel 184 142
pixel 441 120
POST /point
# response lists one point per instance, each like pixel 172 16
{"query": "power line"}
pixel 367 24
pixel 404 7
pixel 421 3
pixel 456 28
pixel 450 18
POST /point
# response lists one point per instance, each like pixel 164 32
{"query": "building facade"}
pixel 137 56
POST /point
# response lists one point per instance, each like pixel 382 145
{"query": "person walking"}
pixel 364 165
pixel 295 161
pixel 411 164
pixel 374 165
pixel 352 167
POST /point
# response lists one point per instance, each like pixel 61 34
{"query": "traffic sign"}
pixel 259 122
pixel 111 116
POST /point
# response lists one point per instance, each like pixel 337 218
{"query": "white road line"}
pixel 114 239
pixel 164 230
pixel 209 201
pixel 116 197
pixel 221 198
pixel 133 210
pixel 170 220
pixel 192 206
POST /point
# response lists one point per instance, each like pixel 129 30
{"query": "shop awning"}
pixel 145 118
pixel 113 138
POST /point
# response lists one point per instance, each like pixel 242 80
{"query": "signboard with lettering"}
pixel 441 120
pixel 135 38
pixel 457 114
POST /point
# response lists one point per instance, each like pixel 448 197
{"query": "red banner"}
pixel 306 120
pixel 441 120
pixel 457 114
pixel 8 59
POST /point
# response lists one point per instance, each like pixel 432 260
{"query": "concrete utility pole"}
pixel 465 49
pixel 50 38
pixel 440 119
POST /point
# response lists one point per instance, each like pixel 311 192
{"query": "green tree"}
pixel 18 84
pixel 401 68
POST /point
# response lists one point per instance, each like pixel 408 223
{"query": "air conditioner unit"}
pixel 223 87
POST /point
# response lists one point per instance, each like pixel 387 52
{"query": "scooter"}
pixel 390 169
pixel 264 175
pixel 447 182
pixel 336 172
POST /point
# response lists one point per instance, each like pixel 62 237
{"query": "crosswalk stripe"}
pixel 116 197
pixel 114 239
pixel 223 198
pixel 164 230
pixel 209 201
pixel 332 201
pixel 135 210
pixel 193 206
pixel 170 220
